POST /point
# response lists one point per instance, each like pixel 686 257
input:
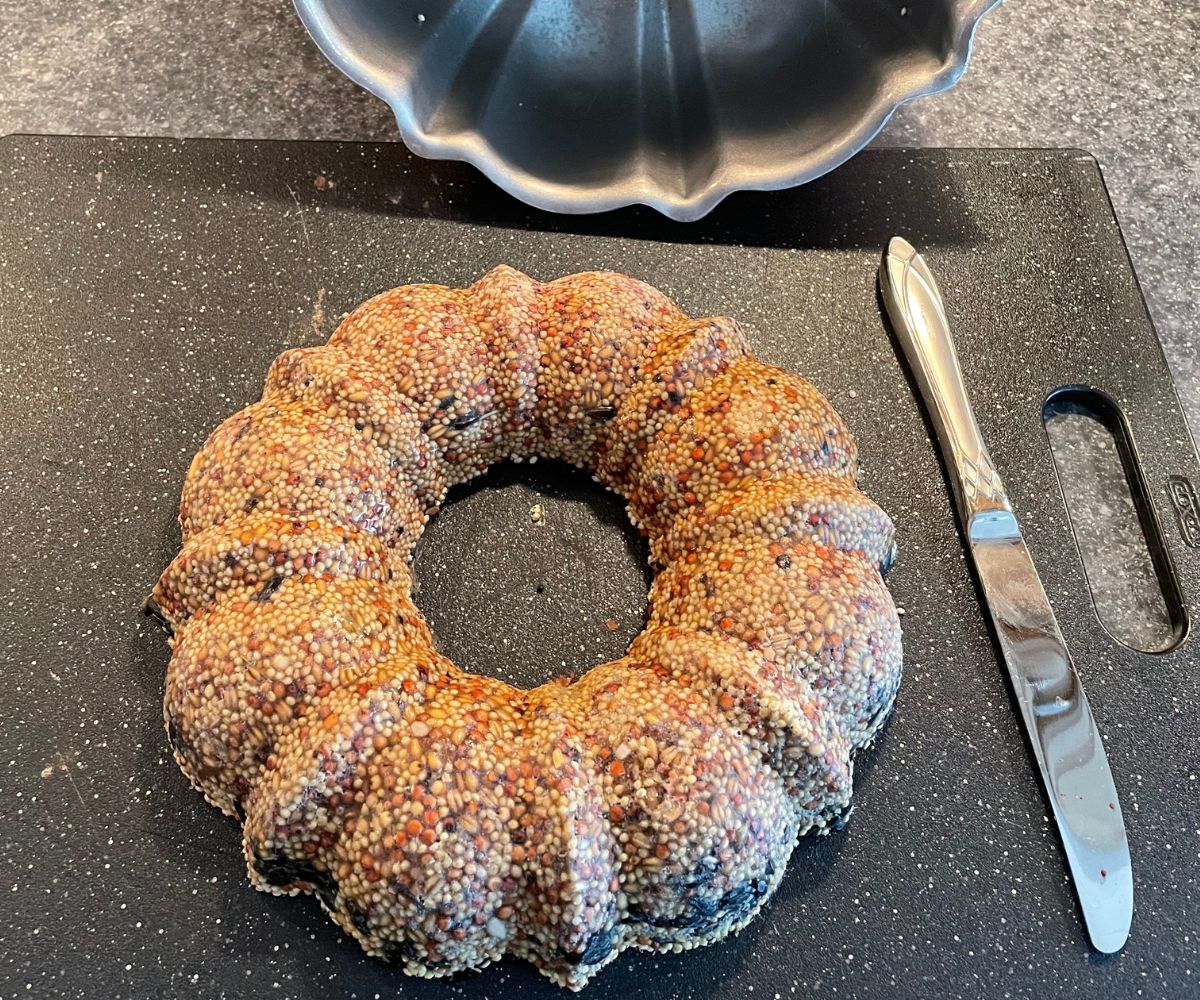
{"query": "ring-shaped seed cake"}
pixel 445 819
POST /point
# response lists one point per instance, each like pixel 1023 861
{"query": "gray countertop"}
pixel 1118 79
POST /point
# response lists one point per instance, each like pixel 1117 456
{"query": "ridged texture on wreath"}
pixel 445 819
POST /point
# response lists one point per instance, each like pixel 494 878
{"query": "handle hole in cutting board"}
pixel 1125 560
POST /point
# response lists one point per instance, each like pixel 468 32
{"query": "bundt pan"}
pixel 587 105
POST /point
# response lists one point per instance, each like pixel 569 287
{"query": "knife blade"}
pixel 1053 708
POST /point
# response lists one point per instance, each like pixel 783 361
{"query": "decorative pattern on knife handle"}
pixel 921 327
pixel 981 485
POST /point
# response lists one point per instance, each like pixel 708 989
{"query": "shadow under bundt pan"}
pixel 590 106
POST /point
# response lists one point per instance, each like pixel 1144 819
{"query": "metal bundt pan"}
pixel 587 105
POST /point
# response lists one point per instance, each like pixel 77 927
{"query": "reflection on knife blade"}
pixel 1053 707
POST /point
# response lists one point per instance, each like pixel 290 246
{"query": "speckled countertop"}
pixel 1118 79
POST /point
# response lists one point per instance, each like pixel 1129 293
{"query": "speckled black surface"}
pixel 146 286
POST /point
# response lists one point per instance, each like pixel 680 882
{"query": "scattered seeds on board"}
pixel 446 819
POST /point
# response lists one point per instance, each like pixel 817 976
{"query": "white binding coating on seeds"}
pixel 444 819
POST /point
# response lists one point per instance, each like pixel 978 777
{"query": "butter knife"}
pixel 1053 708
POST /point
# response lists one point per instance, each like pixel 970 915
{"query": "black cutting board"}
pixel 145 286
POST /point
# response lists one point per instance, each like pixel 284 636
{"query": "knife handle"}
pixel 919 320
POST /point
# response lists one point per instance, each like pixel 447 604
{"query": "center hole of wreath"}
pixel 531 572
